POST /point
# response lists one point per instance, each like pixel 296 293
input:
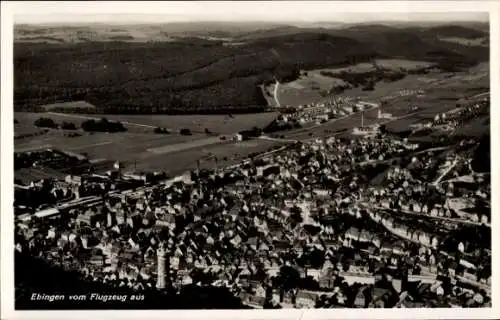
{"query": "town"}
pixel 317 158
pixel 366 221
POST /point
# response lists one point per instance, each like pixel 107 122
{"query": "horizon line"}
pixel 137 22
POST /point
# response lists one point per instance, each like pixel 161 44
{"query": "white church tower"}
pixel 161 281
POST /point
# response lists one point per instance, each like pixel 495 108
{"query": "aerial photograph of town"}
pixel 252 164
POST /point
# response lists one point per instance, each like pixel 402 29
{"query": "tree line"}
pixel 49 123
pixel 102 125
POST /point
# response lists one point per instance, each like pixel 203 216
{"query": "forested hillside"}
pixel 195 75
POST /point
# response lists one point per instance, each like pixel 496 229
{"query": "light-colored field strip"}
pixel 93 118
pixel 276 139
pixel 295 85
pixel 91 145
pixel 97 160
pixel 42 147
pixel 185 145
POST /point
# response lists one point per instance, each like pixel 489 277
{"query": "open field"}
pixel 390 64
pixel 308 89
pixel 141 149
pixel 482 42
pixel 172 154
pixel 110 142
pixel 68 105
pixel 24 128
pixel 435 86
pixel 428 108
pixel 171 148
pixel 476 127
pixel 456 84
pixel 217 124
pixel 436 99
pixel 311 86
pixel 226 153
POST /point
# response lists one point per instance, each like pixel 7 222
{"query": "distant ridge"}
pixel 153 69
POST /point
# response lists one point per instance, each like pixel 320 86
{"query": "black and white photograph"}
pixel 248 155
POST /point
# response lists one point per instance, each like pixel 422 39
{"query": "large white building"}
pixel 382 115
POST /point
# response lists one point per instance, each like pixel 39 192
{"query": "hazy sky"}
pixel 278 11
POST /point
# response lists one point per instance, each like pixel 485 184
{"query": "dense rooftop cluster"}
pixel 324 224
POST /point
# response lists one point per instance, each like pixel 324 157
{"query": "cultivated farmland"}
pixel 403 94
pixel 141 149
pixel 311 87
pixel 314 85
pixel 217 124
pixel 68 105
pixel 226 153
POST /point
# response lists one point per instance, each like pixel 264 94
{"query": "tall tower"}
pixel 76 190
pixel 161 282
pixel 198 163
pixel 362 119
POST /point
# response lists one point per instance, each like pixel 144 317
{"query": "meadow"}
pixel 389 64
pixel 139 148
pixel 217 124
pixel 226 153
pixel 481 42
pixel 68 105
pixel 307 89
pixel 435 99
pixel 312 85
pixel 145 152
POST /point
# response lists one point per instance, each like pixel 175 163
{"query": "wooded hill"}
pixel 194 75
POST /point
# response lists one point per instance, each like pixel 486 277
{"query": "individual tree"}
pixel 68 126
pixel 185 132
pixel 257 131
pixel 288 278
pixel 45 123
pixel 345 266
pixel 158 130
pixel 103 125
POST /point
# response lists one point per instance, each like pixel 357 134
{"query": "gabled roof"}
pixel 302 294
pixel 47 212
